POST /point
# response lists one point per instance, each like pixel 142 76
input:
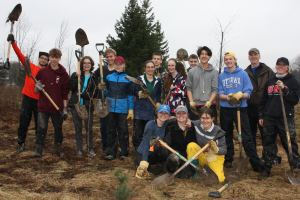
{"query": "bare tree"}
pixel 295 64
pixel 70 58
pixel 64 33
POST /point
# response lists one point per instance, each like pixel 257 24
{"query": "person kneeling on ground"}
pixel 214 156
pixel 178 137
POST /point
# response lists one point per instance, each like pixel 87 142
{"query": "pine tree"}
pixel 138 37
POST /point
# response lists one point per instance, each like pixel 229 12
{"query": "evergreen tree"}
pixel 138 37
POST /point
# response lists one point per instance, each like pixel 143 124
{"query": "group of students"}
pixel 177 93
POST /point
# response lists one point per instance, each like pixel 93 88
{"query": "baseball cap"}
pixel 253 50
pixel 284 60
pixel 119 59
pixel 229 54
pixel 43 54
pixel 163 108
pixel 181 108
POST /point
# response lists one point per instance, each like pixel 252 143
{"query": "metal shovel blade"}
pixel 81 110
pixel 206 175
pixel 81 38
pixel 294 176
pixel 241 165
pixel 163 181
pixel 15 13
pixel 215 194
pixel 102 109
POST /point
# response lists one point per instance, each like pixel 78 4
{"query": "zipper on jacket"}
pixel 203 80
pixel 116 93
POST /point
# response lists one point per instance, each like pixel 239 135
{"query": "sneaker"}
pixel 36 154
pixel 264 174
pixel 104 149
pixel 79 153
pixel 228 164
pixel 21 147
pixel 122 157
pixel 92 153
pixel 109 157
pixel 158 168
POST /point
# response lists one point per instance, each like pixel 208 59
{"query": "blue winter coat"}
pixel 119 91
pixel 143 109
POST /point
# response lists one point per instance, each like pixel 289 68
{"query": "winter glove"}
pixel 208 104
pixel 142 172
pixel 130 114
pixel 235 98
pixel 38 87
pixel 11 38
pixel 144 94
pixel 211 151
pixel 65 112
pixel 102 86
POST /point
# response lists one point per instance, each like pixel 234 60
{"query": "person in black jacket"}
pixel 88 92
pixel 271 115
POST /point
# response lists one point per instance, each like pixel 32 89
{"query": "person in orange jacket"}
pixel 30 98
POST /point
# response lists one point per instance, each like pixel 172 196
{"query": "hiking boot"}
pixel 58 149
pixel 277 161
pixel 104 149
pixel 79 153
pixel 158 168
pixel 228 164
pixel 109 157
pixel 92 153
pixel 21 147
pixel 264 174
pixel 38 151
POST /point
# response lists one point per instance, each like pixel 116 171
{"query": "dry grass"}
pixel 71 177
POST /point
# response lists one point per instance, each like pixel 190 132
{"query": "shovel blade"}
pixel 102 109
pixel 206 175
pixel 241 165
pixel 15 13
pixel 163 181
pixel 294 176
pixel 81 110
pixel 216 194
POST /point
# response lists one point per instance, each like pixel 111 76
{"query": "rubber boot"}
pixel 38 151
pixel 196 163
pixel 58 149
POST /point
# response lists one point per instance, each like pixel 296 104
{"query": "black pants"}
pixel 272 127
pixel 78 129
pixel 103 131
pixel 43 119
pixel 192 116
pixel 227 117
pixel 160 155
pixel 174 162
pixel 116 121
pixel 138 131
pixel 29 106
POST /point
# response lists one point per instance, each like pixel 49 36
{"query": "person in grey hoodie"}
pixel 202 83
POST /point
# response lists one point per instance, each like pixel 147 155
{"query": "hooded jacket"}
pixel 270 103
pixel 143 109
pixel 202 83
pixel 89 93
pixel 56 85
pixel 265 74
pixel 233 82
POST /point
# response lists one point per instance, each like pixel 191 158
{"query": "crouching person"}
pixel 146 156
pixel 177 136
pixel 214 156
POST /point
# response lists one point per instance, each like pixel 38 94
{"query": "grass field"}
pixel 71 177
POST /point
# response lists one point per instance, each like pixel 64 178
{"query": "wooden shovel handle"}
pixel 8 50
pixel 167 97
pixel 224 187
pixel 101 68
pixel 53 103
pixel 152 102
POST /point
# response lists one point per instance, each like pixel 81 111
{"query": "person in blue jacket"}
pixel 235 85
pixel 143 109
pixel 119 91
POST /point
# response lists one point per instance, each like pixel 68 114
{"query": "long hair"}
pixel 179 68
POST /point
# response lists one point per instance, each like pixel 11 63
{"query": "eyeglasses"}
pixel 45 59
pixel 87 63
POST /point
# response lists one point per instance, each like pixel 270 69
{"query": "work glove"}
pixel 193 104
pixel 38 86
pixel 11 38
pixel 208 104
pixel 130 114
pixel 234 99
pixel 142 172
pixel 102 86
pixel 144 94
pixel 211 151
pixel 65 112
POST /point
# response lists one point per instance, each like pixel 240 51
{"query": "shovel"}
pixel 217 194
pixel 169 93
pixel 81 109
pixel 13 16
pixel 293 174
pixel 167 179
pixel 241 164
pixel 102 105
pixel 205 174
pixel 28 72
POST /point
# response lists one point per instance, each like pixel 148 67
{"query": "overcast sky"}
pixel 272 26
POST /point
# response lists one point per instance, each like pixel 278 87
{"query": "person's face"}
pixel 163 116
pixel 171 66
pixel 149 68
pixel 43 60
pixel 281 68
pixel 110 57
pixel 181 116
pixel 119 66
pixel 254 58
pixel 230 61
pixel 193 62
pixel 206 121
pixel 157 60
pixel 204 57
pixel 87 65
pixel 54 60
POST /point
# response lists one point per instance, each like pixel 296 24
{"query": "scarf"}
pixel 150 86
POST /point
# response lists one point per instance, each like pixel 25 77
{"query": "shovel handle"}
pixel 100 50
pixel 167 97
pixel 78 55
pixel 53 103
pixel 224 187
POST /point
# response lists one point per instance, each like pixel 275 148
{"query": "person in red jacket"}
pixel 55 80
pixel 30 98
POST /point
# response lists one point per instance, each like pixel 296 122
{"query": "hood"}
pixel 237 70
pixel 210 67
pixel 288 76
pixel 60 70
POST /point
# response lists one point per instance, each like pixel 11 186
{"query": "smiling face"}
pixel 119 67
pixel 281 68
pixel 181 116
pixel 193 62
pixel 204 57
pixel 206 121
pixel 163 116
pixel 172 66
pixel 54 60
pixel 87 64
pixel 43 60
pixel 110 57
pixel 230 61
pixel 254 58
pixel 149 69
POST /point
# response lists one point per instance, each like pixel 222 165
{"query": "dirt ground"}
pixel 71 177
